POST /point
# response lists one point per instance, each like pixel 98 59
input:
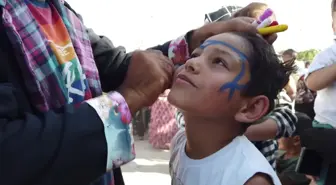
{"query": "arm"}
pixel 280 123
pixel 291 88
pixel 321 78
pixel 112 62
pixel 67 146
pixel 259 179
pixel 322 71
pixel 263 131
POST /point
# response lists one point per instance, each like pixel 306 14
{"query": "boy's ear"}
pixel 253 109
pixel 296 141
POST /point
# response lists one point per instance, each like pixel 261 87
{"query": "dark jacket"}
pixel 60 147
pixel 324 142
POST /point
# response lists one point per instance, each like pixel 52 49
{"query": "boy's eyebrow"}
pixel 217 42
pixel 224 52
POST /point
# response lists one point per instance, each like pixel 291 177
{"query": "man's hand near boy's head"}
pixel 239 24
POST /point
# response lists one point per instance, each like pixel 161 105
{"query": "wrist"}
pixel 191 38
pixel 129 99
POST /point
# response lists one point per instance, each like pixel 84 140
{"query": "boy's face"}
pixel 210 83
pixel 289 143
pixel 286 58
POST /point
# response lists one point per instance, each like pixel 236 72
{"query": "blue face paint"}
pixel 233 85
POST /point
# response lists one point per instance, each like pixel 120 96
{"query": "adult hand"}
pixel 149 74
pixel 239 24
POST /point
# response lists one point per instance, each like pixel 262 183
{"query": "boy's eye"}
pixel 220 62
pixel 193 55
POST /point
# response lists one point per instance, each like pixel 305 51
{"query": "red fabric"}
pixel 162 127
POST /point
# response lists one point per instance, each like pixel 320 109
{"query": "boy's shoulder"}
pixel 240 155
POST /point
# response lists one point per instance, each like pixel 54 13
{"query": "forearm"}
pixel 321 78
pixel 263 131
pixel 291 88
pixel 70 146
pixel 279 123
pixel 163 48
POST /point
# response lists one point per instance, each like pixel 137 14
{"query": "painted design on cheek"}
pixel 233 85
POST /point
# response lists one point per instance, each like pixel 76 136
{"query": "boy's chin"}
pixel 177 100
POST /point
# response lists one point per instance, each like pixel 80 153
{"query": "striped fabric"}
pixel 38 63
pixel 222 14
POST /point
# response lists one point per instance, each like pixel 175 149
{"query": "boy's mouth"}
pixel 185 79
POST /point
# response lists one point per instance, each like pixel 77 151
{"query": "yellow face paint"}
pixel 272 29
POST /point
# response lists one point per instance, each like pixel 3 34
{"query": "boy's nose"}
pixel 192 65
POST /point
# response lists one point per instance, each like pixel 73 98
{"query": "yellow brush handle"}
pixel 272 29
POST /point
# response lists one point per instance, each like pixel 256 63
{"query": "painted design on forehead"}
pixel 233 85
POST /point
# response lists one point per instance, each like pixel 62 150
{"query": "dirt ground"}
pixel 150 166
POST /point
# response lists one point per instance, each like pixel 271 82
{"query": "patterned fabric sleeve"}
pixel 178 50
pixel 116 117
pixel 285 119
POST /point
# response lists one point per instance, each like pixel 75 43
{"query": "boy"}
pixel 230 82
pixel 289 154
pixel 281 121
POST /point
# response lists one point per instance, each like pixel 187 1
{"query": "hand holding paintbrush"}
pixel 266 26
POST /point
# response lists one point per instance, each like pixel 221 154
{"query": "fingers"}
pixel 165 69
pixel 271 38
pixel 154 51
pixel 247 19
pixel 240 24
pixel 169 73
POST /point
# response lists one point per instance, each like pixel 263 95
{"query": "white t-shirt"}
pixel 325 101
pixel 232 165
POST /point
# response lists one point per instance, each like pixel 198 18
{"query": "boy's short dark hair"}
pixel 268 75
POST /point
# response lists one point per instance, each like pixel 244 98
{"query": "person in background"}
pixel 57 127
pixel 321 78
pixel 162 126
pixel 279 123
pixel 290 55
pixel 307 64
pixel 305 98
pixel 289 152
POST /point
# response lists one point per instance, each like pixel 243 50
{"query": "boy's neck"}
pixel 205 136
